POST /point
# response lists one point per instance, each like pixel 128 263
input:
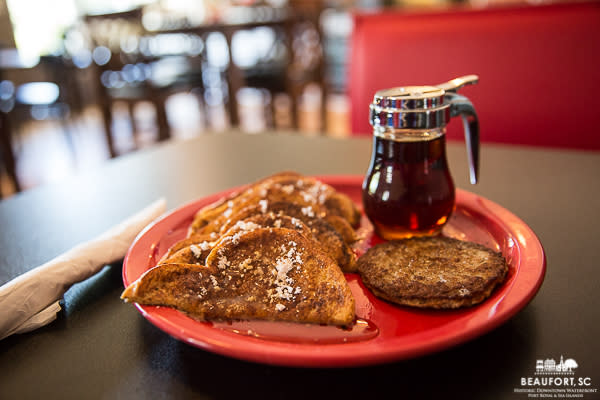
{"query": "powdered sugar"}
pixel 316 193
pixel 296 222
pixel 287 189
pixel 308 211
pixel 223 262
pixel 196 251
pixel 284 283
pixel 246 226
pixel 204 246
pixel 263 205
pixel 308 197
pixel 284 265
pixel 235 239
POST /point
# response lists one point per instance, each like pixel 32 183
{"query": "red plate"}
pixel 384 332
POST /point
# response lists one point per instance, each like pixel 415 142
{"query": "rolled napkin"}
pixel 31 300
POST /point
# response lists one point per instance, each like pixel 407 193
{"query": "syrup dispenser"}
pixel 408 189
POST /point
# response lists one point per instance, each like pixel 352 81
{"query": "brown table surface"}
pixel 102 348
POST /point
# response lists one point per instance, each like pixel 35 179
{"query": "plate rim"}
pixel 257 350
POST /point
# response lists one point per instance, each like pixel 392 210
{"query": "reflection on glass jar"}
pixel 408 189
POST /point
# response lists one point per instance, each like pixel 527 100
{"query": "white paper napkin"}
pixel 31 300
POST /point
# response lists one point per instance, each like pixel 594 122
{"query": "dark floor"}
pixel 48 151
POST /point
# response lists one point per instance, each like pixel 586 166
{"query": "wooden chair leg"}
pixel 105 108
pixel 164 132
pixel 7 151
pixel 135 129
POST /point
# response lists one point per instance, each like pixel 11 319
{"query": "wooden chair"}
pixel 302 66
pixel 40 92
pixel 7 156
pixel 108 59
pixel 538 67
pixel 117 63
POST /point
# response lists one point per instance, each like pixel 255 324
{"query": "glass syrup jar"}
pixel 408 189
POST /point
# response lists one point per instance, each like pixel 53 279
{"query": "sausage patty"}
pixel 432 272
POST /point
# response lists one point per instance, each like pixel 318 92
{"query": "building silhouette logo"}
pixel 550 367
pixel 556 379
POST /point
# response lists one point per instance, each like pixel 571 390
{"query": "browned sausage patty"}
pixel 432 272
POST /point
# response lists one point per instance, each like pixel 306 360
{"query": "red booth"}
pixel 539 67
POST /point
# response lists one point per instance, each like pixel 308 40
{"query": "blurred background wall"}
pixel 82 81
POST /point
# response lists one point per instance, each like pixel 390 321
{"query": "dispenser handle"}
pixel 460 105
pixel 457 83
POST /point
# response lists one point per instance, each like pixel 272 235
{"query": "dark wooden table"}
pixel 102 348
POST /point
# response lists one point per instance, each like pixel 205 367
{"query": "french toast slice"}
pixel 321 196
pixel 269 220
pixel 261 196
pixel 212 211
pixel 343 228
pixel 191 254
pixel 341 205
pixel 195 249
pixel 304 214
pixel 203 242
pixel 287 186
pixel 314 192
pixel 272 274
pixel 323 231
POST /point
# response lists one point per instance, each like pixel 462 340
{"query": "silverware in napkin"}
pixel 31 300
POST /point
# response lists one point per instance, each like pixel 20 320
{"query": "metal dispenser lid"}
pixel 409 107
pixel 415 107
pixel 428 107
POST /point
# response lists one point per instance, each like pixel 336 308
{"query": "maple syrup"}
pixel 408 190
pixel 291 332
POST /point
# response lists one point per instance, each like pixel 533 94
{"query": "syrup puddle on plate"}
pixel 290 332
